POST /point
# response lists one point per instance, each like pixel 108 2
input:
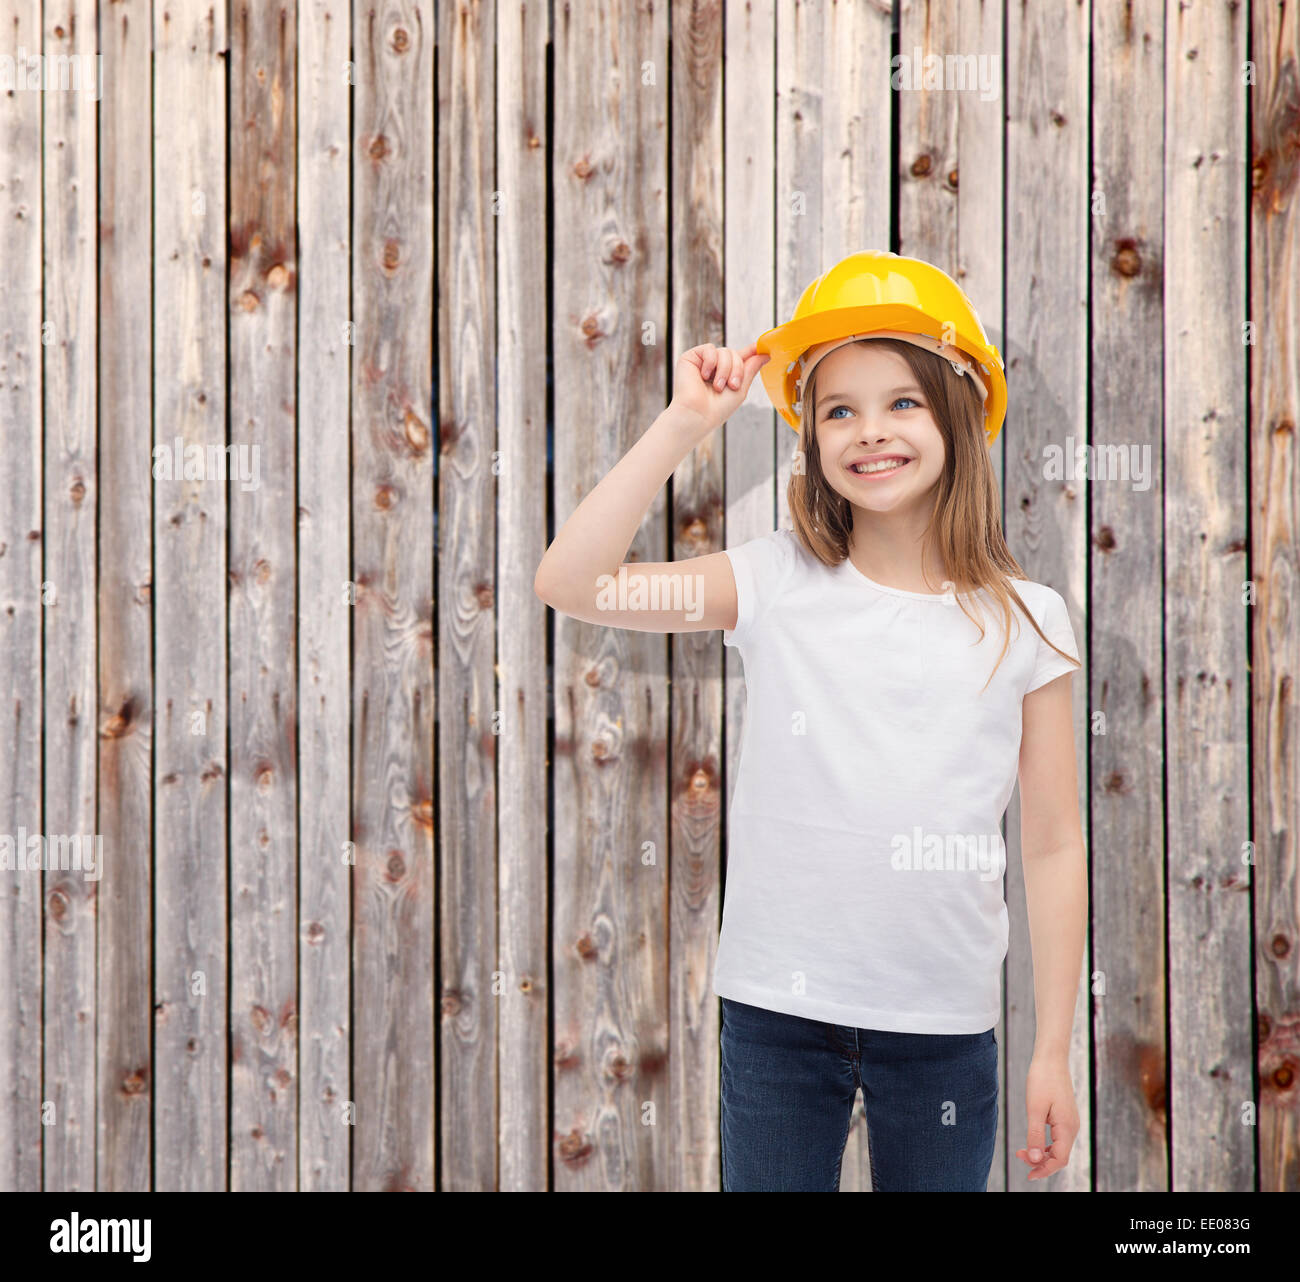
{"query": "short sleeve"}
pixel 762 567
pixel 1055 623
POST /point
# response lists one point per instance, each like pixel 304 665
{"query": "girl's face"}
pixel 869 408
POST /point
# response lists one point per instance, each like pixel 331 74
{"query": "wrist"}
pixel 690 424
pixel 1046 1052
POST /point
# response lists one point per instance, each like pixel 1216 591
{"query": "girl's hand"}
pixel 711 383
pixel 1049 1098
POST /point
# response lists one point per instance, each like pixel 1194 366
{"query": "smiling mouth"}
pixel 886 467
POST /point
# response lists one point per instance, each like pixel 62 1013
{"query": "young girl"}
pixel 900 671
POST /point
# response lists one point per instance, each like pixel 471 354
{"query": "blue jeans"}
pixel 788 1089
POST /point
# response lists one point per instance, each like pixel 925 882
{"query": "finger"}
pixel 1049 1167
pixel 1062 1142
pixel 708 360
pixel 724 368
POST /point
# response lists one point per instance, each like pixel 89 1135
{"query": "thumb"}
pixel 1037 1133
pixel 753 363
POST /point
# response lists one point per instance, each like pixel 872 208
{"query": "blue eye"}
pixel 832 411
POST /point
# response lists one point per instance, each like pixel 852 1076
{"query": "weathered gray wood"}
pixel 392 553
pixel 69 696
pixel 324 609
pixel 1126 605
pixel 694 770
pixel 832 199
pixel 125 1012
pixel 944 131
pixel 1046 291
pixel 190 671
pixel 754 436
pixel 1275 495
pixel 467 737
pixel 522 895
pixel 263 654
pixel 609 961
pixel 21 354
pixel 1206 674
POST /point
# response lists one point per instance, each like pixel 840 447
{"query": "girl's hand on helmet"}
pixel 711 383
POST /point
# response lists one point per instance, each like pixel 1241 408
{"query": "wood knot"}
pixel 574 1148
pixel 921 165
pixel 395 868
pixel 417 431
pixel 1127 261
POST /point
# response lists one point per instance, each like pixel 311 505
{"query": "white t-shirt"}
pixel 865 863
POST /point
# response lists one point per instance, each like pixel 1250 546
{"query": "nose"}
pixel 871 434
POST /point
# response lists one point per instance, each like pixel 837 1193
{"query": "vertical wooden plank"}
pixel 523 328
pixel 324 89
pixel 263 658
pixel 1046 292
pixel 610 964
pixel 21 483
pixel 1206 742
pixel 71 500
pixel 832 199
pixel 392 516
pixel 467 727
pixel 1126 607
pixel 1275 640
pixel 945 129
pixel 694 770
pixel 755 437
pixel 126 707
pixel 190 766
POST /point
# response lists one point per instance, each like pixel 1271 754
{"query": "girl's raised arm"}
pixel 583 573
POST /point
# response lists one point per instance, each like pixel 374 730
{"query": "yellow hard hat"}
pixel 876 294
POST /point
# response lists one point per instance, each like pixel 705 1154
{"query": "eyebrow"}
pixel 844 396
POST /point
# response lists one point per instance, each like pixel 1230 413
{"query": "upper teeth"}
pixel 883 466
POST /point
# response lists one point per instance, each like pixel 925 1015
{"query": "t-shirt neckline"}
pixel 881 587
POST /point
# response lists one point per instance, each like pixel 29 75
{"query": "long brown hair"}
pixel 967 518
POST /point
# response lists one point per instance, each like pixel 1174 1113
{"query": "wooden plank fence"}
pixel 319 321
